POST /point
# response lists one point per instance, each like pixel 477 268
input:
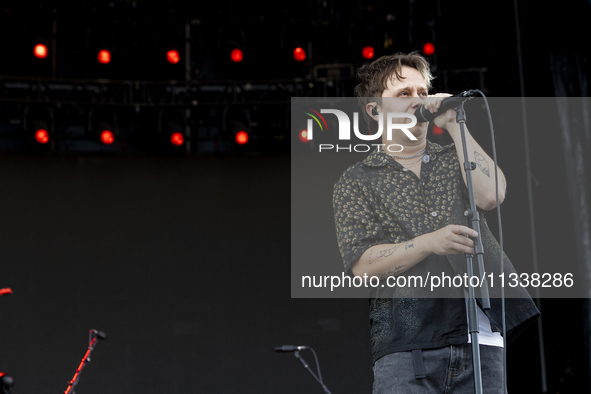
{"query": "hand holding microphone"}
pixel 451 102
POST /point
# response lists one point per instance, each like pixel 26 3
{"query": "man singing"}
pixel 401 212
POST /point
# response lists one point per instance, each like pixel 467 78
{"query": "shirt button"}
pixel 423 183
pixel 434 213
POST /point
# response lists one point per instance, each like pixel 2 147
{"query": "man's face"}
pixel 405 95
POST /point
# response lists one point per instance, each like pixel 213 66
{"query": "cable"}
pixel 307 367
pixel 317 364
pixel 494 149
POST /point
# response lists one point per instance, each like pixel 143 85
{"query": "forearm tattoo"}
pixel 387 252
pixel 391 272
pixel 409 244
pixel 482 163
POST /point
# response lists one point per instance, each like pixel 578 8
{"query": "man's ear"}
pixel 372 110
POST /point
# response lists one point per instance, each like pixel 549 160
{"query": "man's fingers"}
pixel 463 230
pixel 461 248
pixel 463 241
pixel 458 249
pixel 433 102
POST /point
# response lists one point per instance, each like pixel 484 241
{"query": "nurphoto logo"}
pixel 345 129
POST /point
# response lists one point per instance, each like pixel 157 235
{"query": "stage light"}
pixel 42 136
pixel 107 137
pixel 40 51
pixel 304 136
pixel 241 137
pixel 104 56
pixel 299 54
pixel 236 127
pixel 236 55
pixel 103 126
pixel 429 48
pixel 367 52
pixel 173 56
pixel 38 123
pixel 171 134
pixel 177 139
pixel 166 56
pixel 437 130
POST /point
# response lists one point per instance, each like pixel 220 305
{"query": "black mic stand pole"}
pixel 305 364
pixel 479 250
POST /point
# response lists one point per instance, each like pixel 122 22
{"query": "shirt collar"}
pixel 380 158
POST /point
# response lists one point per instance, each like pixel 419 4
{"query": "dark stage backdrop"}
pixel 185 264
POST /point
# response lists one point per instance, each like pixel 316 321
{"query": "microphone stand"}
pixel 92 342
pixel 305 364
pixel 474 217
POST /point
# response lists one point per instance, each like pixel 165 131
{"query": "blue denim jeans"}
pixel 446 370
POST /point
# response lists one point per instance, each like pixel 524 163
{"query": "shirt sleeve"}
pixel 358 227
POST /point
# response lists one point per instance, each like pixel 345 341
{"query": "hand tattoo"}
pixel 482 163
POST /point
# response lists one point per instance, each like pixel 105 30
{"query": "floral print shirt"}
pixel 377 202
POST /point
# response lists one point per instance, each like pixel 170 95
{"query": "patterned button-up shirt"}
pixel 377 202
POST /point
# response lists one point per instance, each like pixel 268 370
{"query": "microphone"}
pixel 449 102
pixel 99 334
pixel 290 348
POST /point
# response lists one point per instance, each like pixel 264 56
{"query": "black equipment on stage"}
pixel 92 338
pixel 6 383
pixel 296 350
pixel 5 291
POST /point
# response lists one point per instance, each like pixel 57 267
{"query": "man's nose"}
pixel 417 101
